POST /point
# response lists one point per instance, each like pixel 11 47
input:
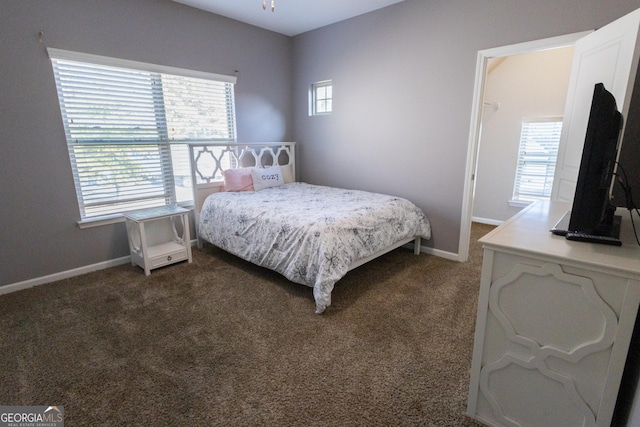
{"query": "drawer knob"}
pixel 169 258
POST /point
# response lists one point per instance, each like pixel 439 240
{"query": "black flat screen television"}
pixel 592 212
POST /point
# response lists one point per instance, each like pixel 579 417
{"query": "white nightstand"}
pixel 158 236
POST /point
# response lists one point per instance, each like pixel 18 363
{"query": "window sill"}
pixel 520 203
pixel 115 218
pixel 100 221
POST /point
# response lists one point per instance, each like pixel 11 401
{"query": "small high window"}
pixel 321 97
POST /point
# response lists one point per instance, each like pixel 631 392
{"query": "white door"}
pixel 610 56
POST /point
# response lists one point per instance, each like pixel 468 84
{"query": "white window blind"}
pixel 127 126
pixel 537 156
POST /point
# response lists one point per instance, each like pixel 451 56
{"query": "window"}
pixel 127 125
pixel 321 98
pixel 537 156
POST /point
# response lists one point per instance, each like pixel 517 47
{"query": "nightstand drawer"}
pixel 169 259
pixel 167 253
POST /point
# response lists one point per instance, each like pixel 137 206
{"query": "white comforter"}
pixel 308 233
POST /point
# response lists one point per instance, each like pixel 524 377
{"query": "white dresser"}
pixel 555 319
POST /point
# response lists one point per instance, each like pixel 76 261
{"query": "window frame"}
pixel 315 99
pixel 522 198
pixel 161 140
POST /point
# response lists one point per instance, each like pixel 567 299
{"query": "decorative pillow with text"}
pixel 267 177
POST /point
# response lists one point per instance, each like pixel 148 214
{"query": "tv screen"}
pixel 592 212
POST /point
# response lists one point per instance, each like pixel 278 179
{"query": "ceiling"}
pixel 290 17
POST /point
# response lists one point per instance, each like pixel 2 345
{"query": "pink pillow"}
pixel 238 179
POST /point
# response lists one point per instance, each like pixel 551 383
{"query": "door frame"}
pixel 476 120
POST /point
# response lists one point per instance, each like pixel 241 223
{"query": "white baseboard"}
pixel 13 287
pixel 442 254
pixel 435 252
pixel 486 221
pixel 26 284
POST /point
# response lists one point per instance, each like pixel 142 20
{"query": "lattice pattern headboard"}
pixel 209 160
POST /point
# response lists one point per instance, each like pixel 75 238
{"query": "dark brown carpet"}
pixel 222 342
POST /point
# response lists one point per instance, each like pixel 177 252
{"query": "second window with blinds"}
pixel 539 140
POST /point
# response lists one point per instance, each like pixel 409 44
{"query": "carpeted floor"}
pixel 221 342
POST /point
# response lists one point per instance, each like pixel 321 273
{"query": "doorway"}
pixel 485 58
pixel 523 93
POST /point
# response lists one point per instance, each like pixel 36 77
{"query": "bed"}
pixel 311 234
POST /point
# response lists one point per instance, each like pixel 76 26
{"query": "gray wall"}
pixel 403 86
pixel 39 235
pixel 403 79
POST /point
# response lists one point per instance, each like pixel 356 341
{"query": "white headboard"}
pixel 210 159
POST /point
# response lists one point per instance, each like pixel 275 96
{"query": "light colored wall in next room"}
pixel 520 87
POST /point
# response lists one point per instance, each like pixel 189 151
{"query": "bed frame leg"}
pixel 416 245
